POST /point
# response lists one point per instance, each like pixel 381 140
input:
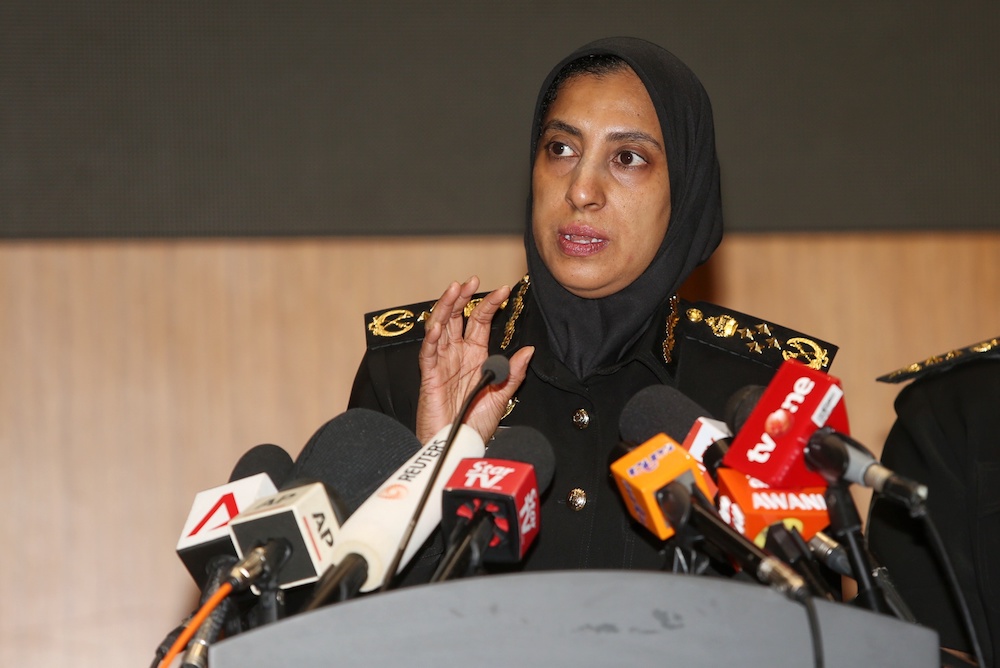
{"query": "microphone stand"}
pixel 845 525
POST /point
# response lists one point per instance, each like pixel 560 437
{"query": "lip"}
pixel 581 240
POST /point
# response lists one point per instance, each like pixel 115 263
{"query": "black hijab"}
pixel 590 334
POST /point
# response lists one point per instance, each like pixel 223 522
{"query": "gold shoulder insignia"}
pixel 752 337
pixel 989 348
pixel 404 323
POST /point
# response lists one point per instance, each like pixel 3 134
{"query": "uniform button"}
pixel 577 499
pixel 581 419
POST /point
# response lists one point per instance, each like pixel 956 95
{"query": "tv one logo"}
pixel 761 452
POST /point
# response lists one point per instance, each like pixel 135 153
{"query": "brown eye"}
pixel 559 149
pixel 630 159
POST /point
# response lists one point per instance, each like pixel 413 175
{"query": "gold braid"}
pixel 508 330
pixel 668 342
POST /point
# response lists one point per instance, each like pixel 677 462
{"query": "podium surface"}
pixel 579 618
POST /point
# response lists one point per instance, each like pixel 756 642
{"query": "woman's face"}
pixel 600 186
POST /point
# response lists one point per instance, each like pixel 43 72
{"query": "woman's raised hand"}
pixel 450 359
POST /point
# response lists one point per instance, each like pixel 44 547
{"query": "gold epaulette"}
pixel 987 348
pixel 403 324
pixel 752 337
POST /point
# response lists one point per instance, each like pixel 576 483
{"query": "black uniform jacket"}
pixel 705 351
pixel 947 436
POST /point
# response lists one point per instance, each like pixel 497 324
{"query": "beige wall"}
pixel 134 374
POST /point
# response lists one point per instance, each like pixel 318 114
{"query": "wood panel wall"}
pixel 134 374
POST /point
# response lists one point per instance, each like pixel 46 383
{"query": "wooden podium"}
pixel 579 618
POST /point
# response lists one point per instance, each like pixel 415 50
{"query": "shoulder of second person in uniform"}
pixel 751 337
pixel 398 325
pixel 942 362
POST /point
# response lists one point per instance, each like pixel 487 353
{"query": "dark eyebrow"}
pixel 618 137
pixel 635 135
pixel 561 126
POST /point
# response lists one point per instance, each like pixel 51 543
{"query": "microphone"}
pixel 830 553
pixel 265 458
pixel 837 457
pixel 493 371
pixel 664 409
pixel 354 453
pixel 491 506
pixel 750 506
pixel 370 537
pixel 345 458
pixel 305 517
pixel 680 509
pixel 746 504
pixel 643 472
pixel 796 403
pixel 398 510
pixel 206 532
pixel 787 544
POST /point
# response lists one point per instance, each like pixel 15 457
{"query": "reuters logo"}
pixel 393 492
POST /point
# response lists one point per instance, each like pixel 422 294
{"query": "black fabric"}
pixel 947 435
pixel 591 333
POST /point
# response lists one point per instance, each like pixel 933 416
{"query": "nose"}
pixel 586 187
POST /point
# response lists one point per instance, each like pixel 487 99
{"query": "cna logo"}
pixel 226 502
pixel 484 475
pixel 394 492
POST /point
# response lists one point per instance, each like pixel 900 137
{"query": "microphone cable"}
pixel 814 630
pixel 937 546
pixel 192 627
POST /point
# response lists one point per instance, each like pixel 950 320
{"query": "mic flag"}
pixel 796 403
pixel 646 470
pixel 206 534
pixel 751 507
pixel 305 517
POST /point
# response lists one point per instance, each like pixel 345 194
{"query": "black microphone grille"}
pixel 658 409
pixel 739 406
pixel 264 458
pixel 354 453
pixel 519 443
pixel 498 366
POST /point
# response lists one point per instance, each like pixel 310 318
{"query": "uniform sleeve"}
pixel 388 381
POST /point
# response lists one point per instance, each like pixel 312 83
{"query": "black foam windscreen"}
pixel 740 405
pixel 354 453
pixel 525 444
pixel 264 458
pixel 658 409
pixel 498 366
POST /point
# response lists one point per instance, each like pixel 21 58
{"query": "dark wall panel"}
pixel 129 119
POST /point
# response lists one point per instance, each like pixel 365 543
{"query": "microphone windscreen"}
pixel 265 458
pixel 740 405
pixel 658 409
pixel 498 366
pixel 354 453
pixel 526 444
